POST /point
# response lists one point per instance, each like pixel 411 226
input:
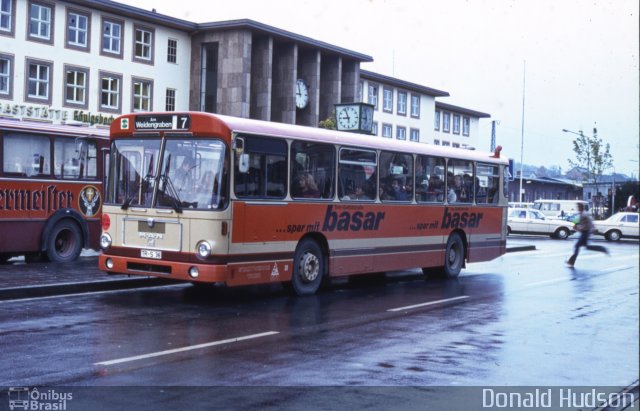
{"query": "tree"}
pixel 329 122
pixel 592 155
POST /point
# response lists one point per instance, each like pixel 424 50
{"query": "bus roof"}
pixel 228 124
pixel 48 128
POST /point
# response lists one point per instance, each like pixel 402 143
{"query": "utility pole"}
pixel 493 135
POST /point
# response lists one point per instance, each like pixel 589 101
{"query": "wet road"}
pixel 523 319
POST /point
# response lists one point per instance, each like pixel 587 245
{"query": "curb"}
pixel 521 248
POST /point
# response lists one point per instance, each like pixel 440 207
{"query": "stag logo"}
pixel 89 201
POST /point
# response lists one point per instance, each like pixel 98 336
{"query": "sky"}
pixel 537 66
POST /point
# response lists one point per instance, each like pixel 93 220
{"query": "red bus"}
pixel 50 189
pixel 208 198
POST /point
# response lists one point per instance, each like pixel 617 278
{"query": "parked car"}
pixel 619 225
pixel 530 221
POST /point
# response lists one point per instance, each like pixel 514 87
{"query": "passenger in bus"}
pixel 452 197
pixel 435 191
pixel 460 189
pixel 398 192
pixel 357 193
pixel 382 193
pixel 305 186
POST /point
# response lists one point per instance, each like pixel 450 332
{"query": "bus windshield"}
pixel 191 174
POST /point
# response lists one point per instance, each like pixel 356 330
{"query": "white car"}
pixel 619 225
pixel 530 221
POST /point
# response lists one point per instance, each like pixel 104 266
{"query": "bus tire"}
pixel 308 268
pixel 453 259
pixel 65 242
pixel 453 256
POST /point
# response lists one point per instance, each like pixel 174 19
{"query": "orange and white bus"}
pixel 208 198
pixel 50 189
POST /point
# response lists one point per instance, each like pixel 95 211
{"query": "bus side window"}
pixel 267 173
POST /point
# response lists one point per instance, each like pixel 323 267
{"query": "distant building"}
pixel 87 61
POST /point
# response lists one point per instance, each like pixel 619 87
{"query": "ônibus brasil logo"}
pixel 23 398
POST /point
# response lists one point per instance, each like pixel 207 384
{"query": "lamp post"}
pixel 613 191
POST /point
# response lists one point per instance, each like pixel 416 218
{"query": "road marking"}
pixel 409 307
pixel 553 280
pixel 188 348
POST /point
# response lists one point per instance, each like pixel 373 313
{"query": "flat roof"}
pixel 192 28
pixel 461 110
pixel 402 84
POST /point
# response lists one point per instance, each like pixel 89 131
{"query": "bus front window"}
pixel 193 175
pixel 133 172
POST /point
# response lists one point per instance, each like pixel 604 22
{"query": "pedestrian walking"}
pixel 584 226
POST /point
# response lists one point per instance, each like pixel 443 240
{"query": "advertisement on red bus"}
pixel 50 189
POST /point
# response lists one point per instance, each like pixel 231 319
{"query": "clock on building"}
pixel 356 117
pixel 301 93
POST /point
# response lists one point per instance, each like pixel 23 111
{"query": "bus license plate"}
pixel 151 254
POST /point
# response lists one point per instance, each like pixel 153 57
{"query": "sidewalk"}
pixel 21 280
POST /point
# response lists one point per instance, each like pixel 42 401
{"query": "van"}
pixel 558 208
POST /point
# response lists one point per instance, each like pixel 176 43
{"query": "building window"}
pixel 436 121
pixel 6 76
pixel 7 17
pixel 387 100
pixel 415 106
pixel 402 103
pixel 436 142
pixel 456 124
pixel 142 94
pixel 143 45
pixel 78 33
pixel 387 130
pixel 446 122
pixel 360 91
pixel 414 134
pixel 110 92
pixel 41 22
pixel 76 85
pixel 372 97
pixel 465 126
pixel 172 51
pixel 455 145
pixel 374 128
pixel 446 144
pixel 38 81
pixel 170 100
pixel 112 37
pixel 401 133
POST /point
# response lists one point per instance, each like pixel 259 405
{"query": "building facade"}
pixel 87 61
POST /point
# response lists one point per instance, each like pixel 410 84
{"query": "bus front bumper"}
pixel 208 273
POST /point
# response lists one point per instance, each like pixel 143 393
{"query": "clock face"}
pixel 348 117
pixel 367 118
pixel 301 93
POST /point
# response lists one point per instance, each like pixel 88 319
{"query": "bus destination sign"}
pixel 163 122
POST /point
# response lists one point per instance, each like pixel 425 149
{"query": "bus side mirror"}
pixel 243 163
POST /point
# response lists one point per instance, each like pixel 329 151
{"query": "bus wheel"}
pixel 453 259
pixel 454 256
pixel 64 243
pixel 308 268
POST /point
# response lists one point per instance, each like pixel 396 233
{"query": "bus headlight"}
pixel 105 241
pixel 193 272
pixel 203 249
